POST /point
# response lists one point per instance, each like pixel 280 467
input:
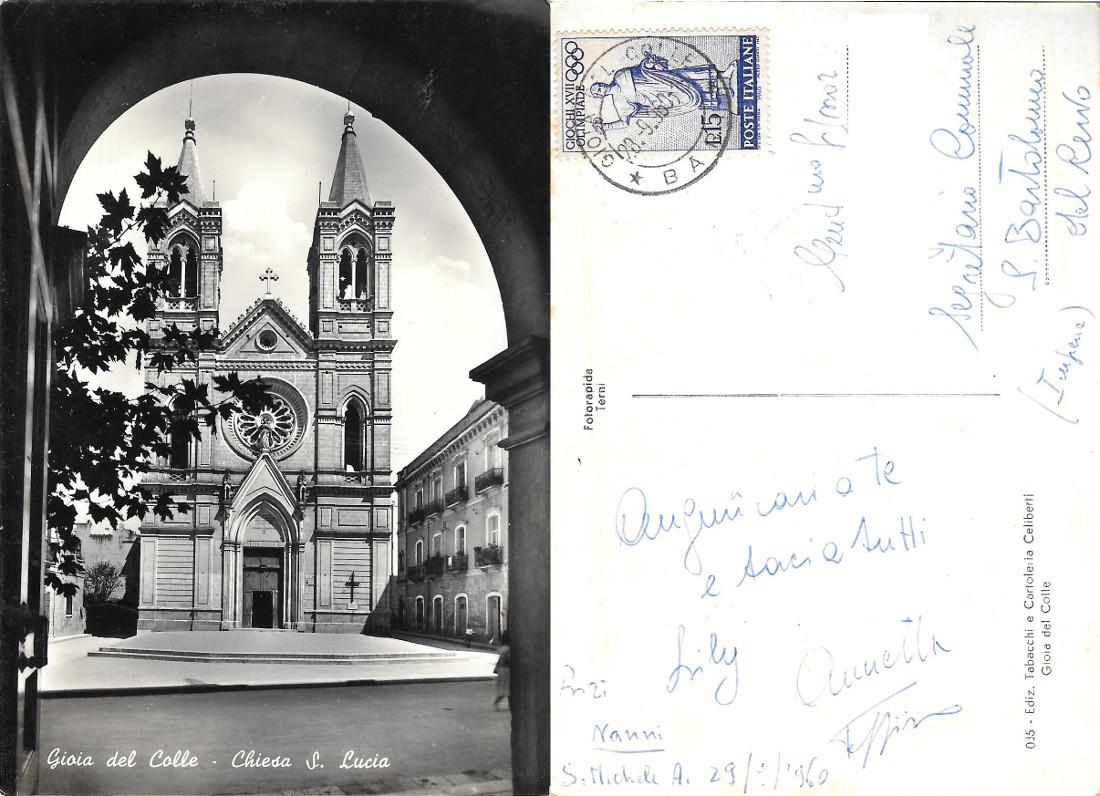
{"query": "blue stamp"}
pixel 653 114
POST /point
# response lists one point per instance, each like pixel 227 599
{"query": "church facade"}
pixel 290 514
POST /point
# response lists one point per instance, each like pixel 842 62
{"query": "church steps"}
pixel 270 657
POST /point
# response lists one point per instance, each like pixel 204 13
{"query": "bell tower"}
pixel 349 316
pixel 191 250
pixel 349 262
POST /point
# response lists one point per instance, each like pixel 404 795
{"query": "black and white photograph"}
pixel 274 297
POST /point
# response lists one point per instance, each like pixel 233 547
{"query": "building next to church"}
pixel 452 540
pixel 290 516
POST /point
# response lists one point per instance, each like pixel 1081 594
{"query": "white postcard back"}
pixel 825 384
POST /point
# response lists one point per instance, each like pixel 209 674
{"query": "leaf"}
pixel 101 513
pixel 155 221
pixel 117 210
pixel 103 441
pixel 150 179
pixel 174 184
pixel 124 256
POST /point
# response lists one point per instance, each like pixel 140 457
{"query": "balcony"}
pixel 176 473
pixel 356 477
pixel 354 305
pixel 434 565
pixel 494 475
pixel 456 495
pixel 459 562
pixel 416 573
pixel 433 507
pixel 180 303
pixel 488 555
pixel 417 516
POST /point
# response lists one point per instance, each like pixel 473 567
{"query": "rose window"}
pixel 270 429
pixel 279 429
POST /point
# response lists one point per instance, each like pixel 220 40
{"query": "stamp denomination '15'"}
pixel 654 113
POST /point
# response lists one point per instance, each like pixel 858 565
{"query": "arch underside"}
pixel 427 83
pixel 462 82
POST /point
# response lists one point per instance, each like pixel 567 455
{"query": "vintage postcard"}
pixel 825 398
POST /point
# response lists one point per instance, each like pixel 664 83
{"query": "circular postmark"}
pixel 660 114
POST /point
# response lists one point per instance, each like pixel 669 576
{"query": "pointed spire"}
pixel 188 165
pixel 349 182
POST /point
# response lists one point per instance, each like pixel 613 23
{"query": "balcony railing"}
pixel 354 305
pixel 356 477
pixel 176 473
pixel 417 515
pixel 434 565
pixel 456 495
pixel 488 555
pixel 180 303
pixel 459 562
pixel 494 475
pixel 433 507
pixel 416 572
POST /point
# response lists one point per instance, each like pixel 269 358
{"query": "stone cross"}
pixel 351 584
pixel 269 276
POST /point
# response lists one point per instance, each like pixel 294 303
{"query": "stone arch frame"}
pixel 491 147
pixel 487 171
pixel 503 610
pixel 356 405
pixel 465 526
pixel 355 393
pixel 454 614
pixel 358 398
pixel 280 509
pixel 357 244
pixel 186 245
pixel 277 507
pixel 436 619
pixel 491 513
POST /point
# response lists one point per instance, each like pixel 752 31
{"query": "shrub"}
pixel 100 580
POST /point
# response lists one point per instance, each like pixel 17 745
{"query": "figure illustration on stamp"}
pixel 651 89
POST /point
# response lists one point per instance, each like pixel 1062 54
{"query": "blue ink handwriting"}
pixel 718 655
pixel 818 676
pixel 827 125
pixel 1027 165
pixel 1049 389
pixel 883 725
pixel 958 143
pixel 571 686
pixel 1077 153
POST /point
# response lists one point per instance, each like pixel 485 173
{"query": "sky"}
pixel 264 143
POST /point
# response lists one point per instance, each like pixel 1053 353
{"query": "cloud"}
pixel 259 232
pixel 445 268
pixel 445 323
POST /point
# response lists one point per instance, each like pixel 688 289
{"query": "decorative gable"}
pixel 264 484
pixel 182 215
pixel 266 330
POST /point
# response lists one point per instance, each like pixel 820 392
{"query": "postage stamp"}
pixel 653 114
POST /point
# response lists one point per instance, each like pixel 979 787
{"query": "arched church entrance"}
pixel 262 580
pixel 263 586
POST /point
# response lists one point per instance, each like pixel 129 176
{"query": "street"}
pixel 313 738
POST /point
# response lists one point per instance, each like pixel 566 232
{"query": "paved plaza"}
pixel 311 699
pixel 249 658
pixel 437 739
